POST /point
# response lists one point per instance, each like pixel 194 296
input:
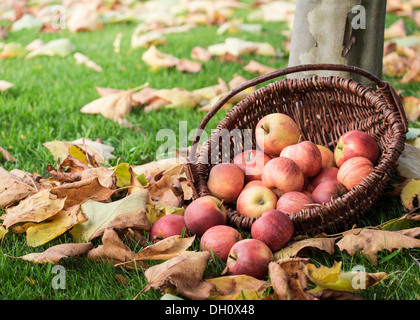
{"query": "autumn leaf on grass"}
pixel 237 287
pixel 82 59
pixel 409 193
pixel 411 107
pixel 113 106
pixel 98 151
pixel 164 249
pixel 150 169
pixel 84 17
pixel 128 212
pixel 12 50
pixel 408 164
pixel 35 208
pixel 179 97
pixel 256 67
pixel 5 85
pixel 112 249
pixel 41 233
pixel 58 47
pixel 371 241
pixel 396 30
pixel 15 186
pixel 295 248
pixel 288 279
pixel 80 191
pixel 335 279
pixel 54 254
pixel 184 273
pixel 104 175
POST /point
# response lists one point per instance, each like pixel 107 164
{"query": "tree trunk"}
pixel 349 32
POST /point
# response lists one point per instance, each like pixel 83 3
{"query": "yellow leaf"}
pixel 237 287
pixel 333 278
pixel 409 193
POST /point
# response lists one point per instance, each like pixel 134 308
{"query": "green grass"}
pixel 44 106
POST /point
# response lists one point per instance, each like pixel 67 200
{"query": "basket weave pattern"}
pixel 324 108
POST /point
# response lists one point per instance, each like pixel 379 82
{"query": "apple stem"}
pixel 232 257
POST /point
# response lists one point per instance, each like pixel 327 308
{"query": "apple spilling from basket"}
pixel 283 176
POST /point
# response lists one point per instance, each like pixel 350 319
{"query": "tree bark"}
pixel 349 32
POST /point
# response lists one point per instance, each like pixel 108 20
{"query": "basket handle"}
pixel 282 72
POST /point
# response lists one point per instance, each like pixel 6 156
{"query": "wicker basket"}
pixel 324 108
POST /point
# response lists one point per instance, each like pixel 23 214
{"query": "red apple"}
pixel 204 213
pixel 307 155
pixel 293 201
pixel 282 174
pixel 251 162
pixel 250 257
pixel 329 173
pixel 219 240
pixel 328 191
pixel 225 182
pixel 276 131
pixel 167 226
pixel 355 144
pixel 353 171
pixel 274 228
pixel 254 200
pixel 327 156
pixel 253 183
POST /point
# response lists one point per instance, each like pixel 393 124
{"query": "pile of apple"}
pixel 283 176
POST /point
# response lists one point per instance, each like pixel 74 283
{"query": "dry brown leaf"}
pixel 156 59
pixel 104 175
pixel 413 75
pixel 80 191
pixel 371 241
pixel 164 249
pixel 329 294
pixel 112 250
pixel 184 273
pixel 408 164
pixel 411 107
pixel 256 67
pixel 288 279
pixel 185 65
pixel 237 287
pixel 82 59
pixel 412 232
pixel 54 254
pixel 201 54
pixel 84 17
pixel 298 247
pixel 396 30
pixel 179 98
pixel 35 208
pixel 409 193
pixel 14 188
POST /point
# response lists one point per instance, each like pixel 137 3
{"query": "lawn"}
pixel 45 105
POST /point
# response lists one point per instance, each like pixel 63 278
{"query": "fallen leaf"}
pixel 117 43
pixel 179 98
pixel 81 191
pixel 201 54
pixel 409 193
pixel 256 67
pixel 35 208
pixel 5 85
pixel 164 249
pixel 298 247
pixel 82 59
pixel 239 47
pixel 35 44
pixel 112 106
pixel 27 21
pixel 335 279
pixel 112 250
pixel 41 233
pixel 185 273
pixel 141 39
pixel 5 155
pixel 408 164
pixel 289 280
pixel 128 212
pixel 84 17
pixel 54 254
pixel 58 47
pixel 163 166
pixel 411 107
pixel 12 50
pixel 413 75
pixel 14 188
pixel 329 294
pixel 105 176
pixel 371 241
pixel 185 65
pixel 156 59
pixel 237 287
pixel 396 30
